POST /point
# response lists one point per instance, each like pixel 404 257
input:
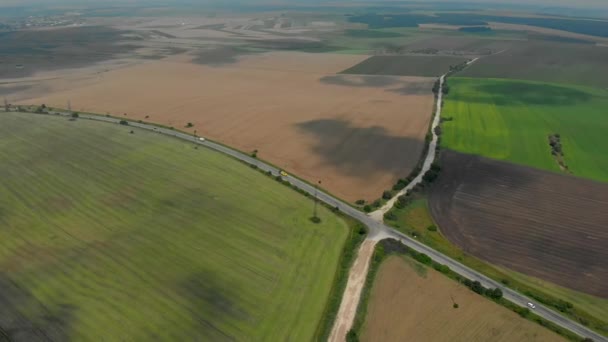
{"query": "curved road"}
pixel 378 215
pixel 377 230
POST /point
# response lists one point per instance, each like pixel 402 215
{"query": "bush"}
pixel 423 258
pixel 495 293
pixel 390 216
pixel 367 208
pixel 189 125
pixel 376 204
pixel 315 219
pixel 441 268
pixel 124 122
pixel 360 202
pixel 432 228
pixel 351 336
pixel 477 288
pixel 387 195
pixel 430 176
pixel 75 115
pixel 455 306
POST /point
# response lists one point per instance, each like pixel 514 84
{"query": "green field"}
pixel 511 120
pixel 118 236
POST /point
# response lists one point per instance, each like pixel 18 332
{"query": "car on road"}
pixel 531 306
pixel 201 139
pixel 283 173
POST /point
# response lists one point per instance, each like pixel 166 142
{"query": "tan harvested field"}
pixel 292 107
pixel 410 302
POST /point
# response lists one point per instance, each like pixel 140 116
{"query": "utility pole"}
pixel 314 214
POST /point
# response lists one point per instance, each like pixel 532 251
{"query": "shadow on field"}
pixel 362 151
pixel 507 93
pixel 22 53
pixel 13 89
pixel 220 55
pixel 392 83
pixel 212 301
pixel 44 325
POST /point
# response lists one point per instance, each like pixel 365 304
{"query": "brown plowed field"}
pixel 547 225
pixel 410 302
pixel 344 130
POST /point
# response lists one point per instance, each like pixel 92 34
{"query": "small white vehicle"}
pixel 531 306
pixel 201 139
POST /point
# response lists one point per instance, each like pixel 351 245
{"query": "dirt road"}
pixel 352 293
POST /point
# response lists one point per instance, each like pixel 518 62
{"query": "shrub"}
pixel 390 216
pixel 423 258
pixel 495 293
pixel 432 228
pixel 367 208
pixel 189 125
pixel 387 195
pixel 477 288
pixel 124 122
pixel 315 219
pixel 455 306
pixel 360 202
pixel 74 115
pixel 376 204
pixel 351 336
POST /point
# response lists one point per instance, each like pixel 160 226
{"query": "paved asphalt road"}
pixel 377 230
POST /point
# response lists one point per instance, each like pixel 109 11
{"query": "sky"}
pixel 602 4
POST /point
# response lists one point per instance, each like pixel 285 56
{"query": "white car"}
pixel 201 139
pixel 531 306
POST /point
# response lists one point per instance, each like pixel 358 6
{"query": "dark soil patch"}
pixel 543 224
pixel 430 66
pixel 582 64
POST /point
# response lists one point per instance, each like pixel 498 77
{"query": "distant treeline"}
pixel 582 26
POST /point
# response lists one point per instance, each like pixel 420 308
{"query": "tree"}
pixel 476 287
pixel 75 115
pixel 387 195
pixel 495 293
pixel 351 336
pixel 189 125
pixel 367 208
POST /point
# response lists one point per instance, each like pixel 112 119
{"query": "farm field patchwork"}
pixel 512 120
pixel 289 106
pixel 559 233
pixel 410 302
pixel 143 237
pixel 581 64
pixel 428 66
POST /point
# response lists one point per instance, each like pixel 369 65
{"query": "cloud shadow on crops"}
pixel 13 89
pixel 509 93
pixel 44 325
pixel 219 55
pixel 362 151
pixel 212 300
pixel 390 83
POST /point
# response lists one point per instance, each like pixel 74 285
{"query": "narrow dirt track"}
pixel 352 293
